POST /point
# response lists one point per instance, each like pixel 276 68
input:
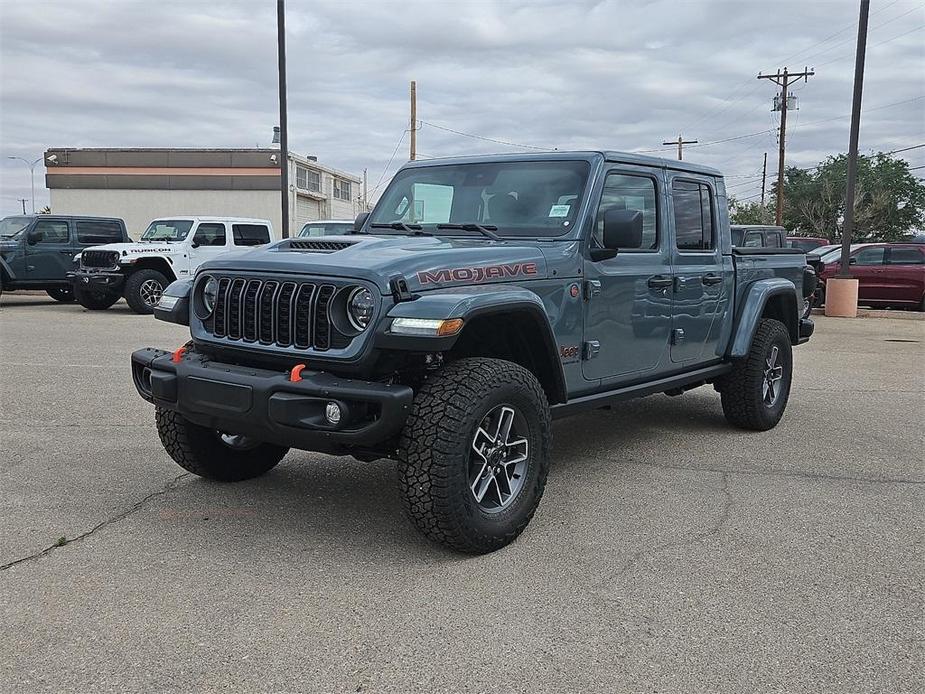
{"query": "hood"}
pixel 426 262
pixel 138 248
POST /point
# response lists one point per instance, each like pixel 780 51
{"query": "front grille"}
pixel 99 259
pixel 270 312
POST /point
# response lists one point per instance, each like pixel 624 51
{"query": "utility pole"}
pixel 680 142
pixel 859 57
pixel 23 201
pixel 414 120
pixel 764 177
pixel 783 80
pixel 365 191
pixel 31 165
pixel 283 120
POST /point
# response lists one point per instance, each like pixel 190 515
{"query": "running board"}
pixel 590 402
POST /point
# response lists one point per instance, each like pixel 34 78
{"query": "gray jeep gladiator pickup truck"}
pixel 481 298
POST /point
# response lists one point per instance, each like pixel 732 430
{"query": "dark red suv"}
pixel 889 274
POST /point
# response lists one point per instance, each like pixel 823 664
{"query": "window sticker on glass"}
pixel 559 210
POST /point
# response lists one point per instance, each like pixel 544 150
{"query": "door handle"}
pixel 68 252
pixel 660 281
pixel 712 278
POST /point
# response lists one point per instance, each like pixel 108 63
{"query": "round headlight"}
pixel 209 292
pixel 360 308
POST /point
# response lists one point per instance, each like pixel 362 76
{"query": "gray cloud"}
pixel 556 73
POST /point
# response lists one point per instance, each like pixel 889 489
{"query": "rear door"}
pixel 47 260
pixel 867 265
pixel 628 297
pixel 904 274
pixel 701 278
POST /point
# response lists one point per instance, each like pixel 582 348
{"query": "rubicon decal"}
pixel 477 274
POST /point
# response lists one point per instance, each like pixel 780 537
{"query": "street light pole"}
pixel 31 165
pixel 283 121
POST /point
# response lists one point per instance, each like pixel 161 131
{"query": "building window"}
pixel 306 179
pixel 342 189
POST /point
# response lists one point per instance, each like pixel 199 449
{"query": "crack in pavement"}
pixel 99 526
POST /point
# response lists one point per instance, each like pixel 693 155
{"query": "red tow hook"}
pixel 178 355
pixel 295 375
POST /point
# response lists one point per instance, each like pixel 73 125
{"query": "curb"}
pixel 875 313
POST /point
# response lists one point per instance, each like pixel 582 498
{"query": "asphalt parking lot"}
pixel 670 552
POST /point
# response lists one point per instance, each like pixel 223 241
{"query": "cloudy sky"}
pixel 616 74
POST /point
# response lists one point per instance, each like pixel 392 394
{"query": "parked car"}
pixel 888 274
pixel 758 236
pixel 448 335
pixel 169 249
pixel 806 243
pixel 327 227
pixel 37 251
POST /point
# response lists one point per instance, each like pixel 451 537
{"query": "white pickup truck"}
pixel 169 249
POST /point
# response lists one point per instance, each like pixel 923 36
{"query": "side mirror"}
pixel 34 237
pixel 852 261
pixel 193 244
pixel 622 229
pixel 360 221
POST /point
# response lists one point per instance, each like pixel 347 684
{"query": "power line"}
pixel 487 139
pixel 394 151
pixel 905 149
pixel 879 43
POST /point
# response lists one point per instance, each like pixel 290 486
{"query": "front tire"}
pixel 474 454
pixel 213 454
pixel 63 294
pixel 755 394
pixel 143 290
pixel 94 300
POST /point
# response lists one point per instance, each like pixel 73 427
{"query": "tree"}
pixel 749 212
pixel 889 201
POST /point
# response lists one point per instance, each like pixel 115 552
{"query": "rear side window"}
pixel 95 231
pixel 906 256
pixel 753 240
pixel 626 192
pixel 210 234
pixel 250 234
pixel 53 230
pixel 693 216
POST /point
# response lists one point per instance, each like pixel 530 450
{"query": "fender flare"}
pixel 469 303
pixel 752 308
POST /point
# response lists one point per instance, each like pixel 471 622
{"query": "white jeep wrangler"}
pixel 169 249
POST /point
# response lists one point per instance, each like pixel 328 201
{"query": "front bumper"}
pixel 268 406
pixel 97 279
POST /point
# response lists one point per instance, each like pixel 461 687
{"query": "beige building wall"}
pixel 139 207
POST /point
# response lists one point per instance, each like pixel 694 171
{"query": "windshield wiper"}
pixel 484 229
pixel 415 229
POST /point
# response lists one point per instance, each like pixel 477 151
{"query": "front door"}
pixel 867 265
pixel 48 259
pixel 628 297
pixel 904 273
pixel 209 240
pixel 701 277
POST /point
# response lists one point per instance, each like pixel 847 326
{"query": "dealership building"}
pixel 141 184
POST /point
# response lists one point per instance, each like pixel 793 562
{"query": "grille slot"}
pixel 288 314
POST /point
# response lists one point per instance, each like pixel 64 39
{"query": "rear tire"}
pixel 204 452
pixel 143 290
pixel 474 454
pixel 755 394
pixel 93 300
pixel 63 294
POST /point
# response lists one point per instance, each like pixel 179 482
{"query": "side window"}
pixel 693 216
pixel 906 256
pixel 628 192
pixel 753 240
pixel 98 231
pixel 54 230
pixel 210 234
pixel 250 234
pixel 773 240
pixel 869 256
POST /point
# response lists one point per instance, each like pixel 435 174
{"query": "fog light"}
pixel 332 412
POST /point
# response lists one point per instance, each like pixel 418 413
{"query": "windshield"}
pixel 822 250
pixel 313 229
pixel 11 226
pixel 834 254
pixel 526 198
pixel 167 230
pixel 805 244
